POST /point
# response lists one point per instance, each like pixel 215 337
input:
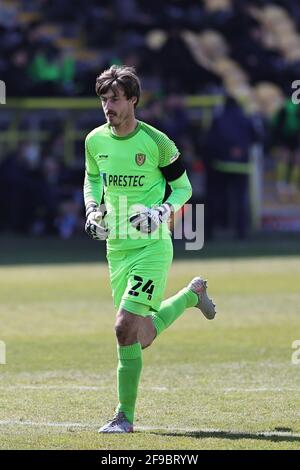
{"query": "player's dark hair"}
pixel 119 76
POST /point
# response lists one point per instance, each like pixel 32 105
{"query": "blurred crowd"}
pixel 247 51
pixel 57 47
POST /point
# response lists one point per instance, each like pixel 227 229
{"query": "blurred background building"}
pixel 217 78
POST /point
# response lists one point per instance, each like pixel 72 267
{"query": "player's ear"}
pixel 133 100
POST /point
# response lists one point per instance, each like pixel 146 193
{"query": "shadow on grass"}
pixel 267 436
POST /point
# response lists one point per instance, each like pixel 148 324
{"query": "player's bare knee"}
pixel 122 332
pixel 126 328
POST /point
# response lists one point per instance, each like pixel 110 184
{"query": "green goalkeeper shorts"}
pixel 138 276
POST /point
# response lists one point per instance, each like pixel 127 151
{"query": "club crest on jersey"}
pixel 140 158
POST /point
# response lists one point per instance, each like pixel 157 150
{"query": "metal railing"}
pixel 70 109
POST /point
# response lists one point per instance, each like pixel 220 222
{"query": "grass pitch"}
pixel 222 384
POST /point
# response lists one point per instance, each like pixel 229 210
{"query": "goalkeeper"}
pixel 128 163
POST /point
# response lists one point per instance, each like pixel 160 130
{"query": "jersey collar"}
pixel 124 137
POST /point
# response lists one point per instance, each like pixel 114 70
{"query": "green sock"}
pixel 172 308
pixel 129 371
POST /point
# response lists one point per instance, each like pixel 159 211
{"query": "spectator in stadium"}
pixel 19 177
pixel 285 129
pixel 226 151
pixel 51 72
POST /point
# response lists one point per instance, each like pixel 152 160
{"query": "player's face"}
pixel 117 108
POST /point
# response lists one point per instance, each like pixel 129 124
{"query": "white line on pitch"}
pixel 14 422
pixel 71 387
pixel 262 389
pixel 155 389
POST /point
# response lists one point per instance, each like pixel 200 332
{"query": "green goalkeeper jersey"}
pixel 126 171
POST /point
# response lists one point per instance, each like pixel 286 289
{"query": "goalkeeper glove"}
pixel 95 226
pixel 148 220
